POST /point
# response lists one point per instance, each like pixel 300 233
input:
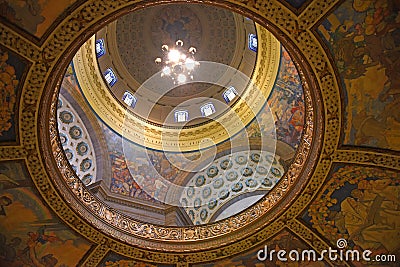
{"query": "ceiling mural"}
pixel 364 37
pixel 361 205
pixel 31 235
pixel 35 17
pixel 286 102
pixel 12 70
pixel 335 108
pixel 135 176
pixel 167 24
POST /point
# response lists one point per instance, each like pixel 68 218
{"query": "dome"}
pixel 241 119
pixel 196 133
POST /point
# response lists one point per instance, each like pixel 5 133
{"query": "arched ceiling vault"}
pixel 47 55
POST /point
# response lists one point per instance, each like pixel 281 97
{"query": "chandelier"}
pixel 178 64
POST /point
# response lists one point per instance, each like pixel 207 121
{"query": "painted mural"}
pixel 286 102
pixel 34 16
pixel 361 205
pixel 284 240
pixel 12 69
pixel 364 38
pixel 133 163
pixel 30 235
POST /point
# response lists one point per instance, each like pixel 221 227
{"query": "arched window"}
pixel 229 94
pixel 100 48
pixel 207 109
pixel 253 42
pixel 129 99
pixel 110 77
pixel 181 115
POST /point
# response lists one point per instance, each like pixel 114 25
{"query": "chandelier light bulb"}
pixel 174 55
pixel 166 71
pixel 189 64
pixel 181 78
pixel 179 43
pixel 192 50
pixel 158 60
pixel 164 48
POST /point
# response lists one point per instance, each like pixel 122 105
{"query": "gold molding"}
pixel 12 152
pixel 20 44
pixel 367 158
pixel 96 255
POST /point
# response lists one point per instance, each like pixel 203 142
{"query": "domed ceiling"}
pixel 286 137
pixel 218 35
pixel 198 184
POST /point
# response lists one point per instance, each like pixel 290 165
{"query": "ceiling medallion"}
pixel 178 64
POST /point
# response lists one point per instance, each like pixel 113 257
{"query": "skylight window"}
pixel 110 77
pixel 129 99
pixel 181 116
pixel 229 94
pixel 100 48
pixel 207 109
pixel 253 43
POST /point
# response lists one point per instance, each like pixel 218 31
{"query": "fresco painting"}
pixel 286 103
pixel 12 69
pixel 361 205
pixel 143 167
pixel 30 235
pixel 364 38
pixel 283 241
pixel 33 16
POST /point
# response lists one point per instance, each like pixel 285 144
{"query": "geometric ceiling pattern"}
pixel 352 180
pixel 76 142
pixel 238 174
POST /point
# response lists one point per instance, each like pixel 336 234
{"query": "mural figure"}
pixel 286 102
pixel 29 234
pixel 364 37
pixel 371 215
pixel 361 205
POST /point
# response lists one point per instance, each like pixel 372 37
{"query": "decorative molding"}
pixel 12 152
pixel 367 158
pixel 96 256
pixel 315 11
pixel 19 44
